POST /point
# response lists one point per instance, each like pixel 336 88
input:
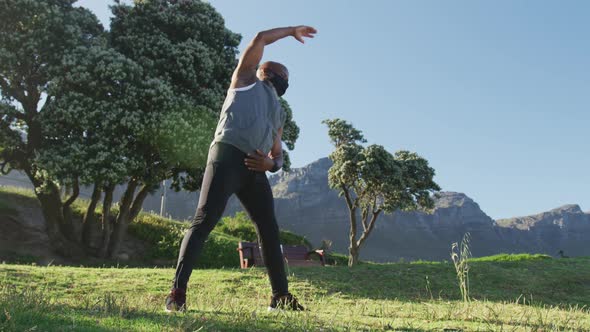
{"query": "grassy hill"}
pixel 526 294
pixel 157 238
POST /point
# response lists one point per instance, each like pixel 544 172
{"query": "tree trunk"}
pixel 106 220
pixel 138 202
pixel 55 226
pixel 353 248
pixel 122 219
pixel 52 213
pixel 50 194
pixel 352 207
pixel 353 257
pixel 368 227
pixel 89 220
pixel 72 229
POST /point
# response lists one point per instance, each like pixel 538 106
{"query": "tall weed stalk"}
pixel 460 254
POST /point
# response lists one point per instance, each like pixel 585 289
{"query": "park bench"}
pixel 250 255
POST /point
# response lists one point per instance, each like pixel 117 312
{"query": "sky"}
pixel 494 94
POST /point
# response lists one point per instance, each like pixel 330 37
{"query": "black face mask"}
pixel 279 83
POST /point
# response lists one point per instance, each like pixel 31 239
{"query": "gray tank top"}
pixel 250 118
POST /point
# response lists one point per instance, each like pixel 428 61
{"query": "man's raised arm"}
pixel 245 72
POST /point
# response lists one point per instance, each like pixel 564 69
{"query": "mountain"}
pixel 566 228
pixel 305 204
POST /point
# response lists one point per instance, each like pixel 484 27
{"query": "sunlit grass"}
pixel 533 295
pixel 510 258
pixel 508 292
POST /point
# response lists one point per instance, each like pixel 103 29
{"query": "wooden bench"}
pixel 250 255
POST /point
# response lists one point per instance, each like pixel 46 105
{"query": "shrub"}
pixel 241 227
pixel 333 258
pixel 162 235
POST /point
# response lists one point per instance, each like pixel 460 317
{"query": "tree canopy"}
pixel 372 181
pixel 132 105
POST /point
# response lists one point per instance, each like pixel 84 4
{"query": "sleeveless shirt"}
pixel 250 118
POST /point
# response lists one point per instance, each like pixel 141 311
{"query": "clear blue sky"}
pixel 495 94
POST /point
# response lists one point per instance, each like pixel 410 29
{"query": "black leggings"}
pixel 225 175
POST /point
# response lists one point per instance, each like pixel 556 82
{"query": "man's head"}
pixel 275 73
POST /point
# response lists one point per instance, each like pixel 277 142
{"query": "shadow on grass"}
pixel 68 318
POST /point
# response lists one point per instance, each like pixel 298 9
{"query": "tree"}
pixel 103 111
pixel 373 181
pixel 158 111
pixel 290 134
pixel 185 46
pixel 79 107
pixel 133 106
pixel 35 36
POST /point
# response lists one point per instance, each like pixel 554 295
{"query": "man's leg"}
pixel 256 196
pixel 219 183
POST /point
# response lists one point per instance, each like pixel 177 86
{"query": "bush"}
pixel 220 251
pixel 238 226
pixel 241 227
pixel 333 258
pixel 164 236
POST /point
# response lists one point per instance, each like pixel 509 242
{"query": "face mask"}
pixel 279 83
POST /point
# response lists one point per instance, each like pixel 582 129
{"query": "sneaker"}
pixel 176 300
pixel 285 302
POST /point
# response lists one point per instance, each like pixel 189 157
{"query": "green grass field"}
pixel 508 292
pixel 531 294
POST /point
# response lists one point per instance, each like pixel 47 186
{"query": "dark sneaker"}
pixel 285 302
pixel 176 300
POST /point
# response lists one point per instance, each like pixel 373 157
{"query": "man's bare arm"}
pixel 245 72
pixel 276 152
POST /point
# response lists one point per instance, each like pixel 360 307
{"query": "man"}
pixel 247 143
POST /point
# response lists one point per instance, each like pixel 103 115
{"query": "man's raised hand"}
pixel 304 31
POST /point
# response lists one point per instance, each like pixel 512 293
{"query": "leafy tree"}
pixel 103 111
pixel 155 87
pixel 290 134
pixel 373 181
pixel 134 106
pixel 34 38
pixel 78 110
pixel 185 45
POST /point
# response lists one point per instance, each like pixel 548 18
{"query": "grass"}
pixel 524 295
pixel 510 258
pixel 508 292
pixel 19 194
pixel 18 191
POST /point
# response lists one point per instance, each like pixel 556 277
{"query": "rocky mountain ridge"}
pixel 305 204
